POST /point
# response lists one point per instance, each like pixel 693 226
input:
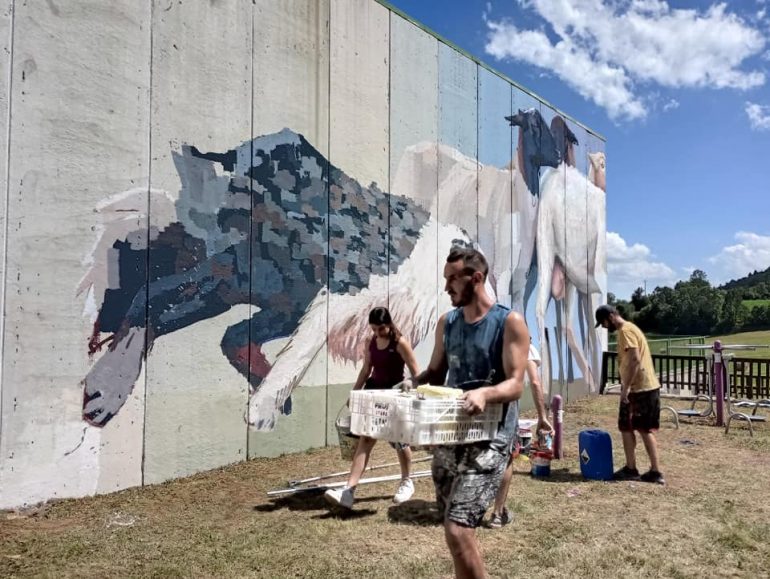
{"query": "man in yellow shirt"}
pixel 639 395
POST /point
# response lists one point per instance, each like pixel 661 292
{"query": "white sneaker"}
pixel 404 492
pixel 340 497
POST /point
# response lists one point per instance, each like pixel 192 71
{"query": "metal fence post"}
pixel 719 387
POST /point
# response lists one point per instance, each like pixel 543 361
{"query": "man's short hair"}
pixel 472 259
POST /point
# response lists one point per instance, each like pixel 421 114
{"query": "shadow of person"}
pixel 309 500
pixel 416 512
pixel 562 475
pixel 344 514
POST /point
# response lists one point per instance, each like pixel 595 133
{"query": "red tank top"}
pixel 387 365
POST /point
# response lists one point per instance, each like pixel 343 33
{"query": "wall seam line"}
pixel 6 201
pixel 328 209
pixel 147 254
pixel 390 146
pixel 251 232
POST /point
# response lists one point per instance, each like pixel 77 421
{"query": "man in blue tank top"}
pixel 482 348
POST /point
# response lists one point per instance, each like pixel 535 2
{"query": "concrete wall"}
pixel 202 202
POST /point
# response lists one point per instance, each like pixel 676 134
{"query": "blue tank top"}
pixel 474 355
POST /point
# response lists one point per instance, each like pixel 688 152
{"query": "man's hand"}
pixel 406 385
pixel 624 396
pixel 544 426
pixel 475 402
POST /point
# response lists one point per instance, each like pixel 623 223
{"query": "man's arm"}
pixel 515 353
pixel 632 367
pixel 537 397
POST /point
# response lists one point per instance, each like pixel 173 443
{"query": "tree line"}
pixel 695 307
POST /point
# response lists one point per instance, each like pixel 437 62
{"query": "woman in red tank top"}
pixel 388 352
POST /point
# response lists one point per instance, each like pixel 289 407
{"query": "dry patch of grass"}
pixel 711 520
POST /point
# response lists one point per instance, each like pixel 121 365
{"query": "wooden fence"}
pixel 748 378
pixel 678 375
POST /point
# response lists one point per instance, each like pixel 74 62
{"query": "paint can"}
pixel 541 463
pixel 525 440
pixel 544 440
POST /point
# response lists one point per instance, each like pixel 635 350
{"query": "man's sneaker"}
pixel 404 492
pixel 653 476
pixel 340 497
pixel 500 519
pixel 626 473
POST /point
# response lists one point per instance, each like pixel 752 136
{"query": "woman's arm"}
pixel 437 368
pixel 366 370
pixel 407 354
pixel 537 397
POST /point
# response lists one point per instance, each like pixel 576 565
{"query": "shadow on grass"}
pixel 416 512
pixel 562 475
pixel 313 500
pixel 345 514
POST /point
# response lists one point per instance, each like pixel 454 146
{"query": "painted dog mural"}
pixel 274 224
pixel 283 197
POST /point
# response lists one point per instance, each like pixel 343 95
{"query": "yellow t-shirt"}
pixel 630 336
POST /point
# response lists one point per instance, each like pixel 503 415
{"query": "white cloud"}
pixel 609 87
pixel 610 50
pixel 671 105
pixel 630 266
pixel 487 11
pixel 759 116
pixel 750 253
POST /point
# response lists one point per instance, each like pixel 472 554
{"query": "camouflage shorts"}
pixel 466 478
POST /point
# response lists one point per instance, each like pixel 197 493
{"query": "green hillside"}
pixel 756 285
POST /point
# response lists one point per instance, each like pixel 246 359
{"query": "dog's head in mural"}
pixel 597 170
pixel 537 147
pixel 565 140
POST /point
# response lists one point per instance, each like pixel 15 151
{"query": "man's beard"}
pixel 611 326
pixel 465 297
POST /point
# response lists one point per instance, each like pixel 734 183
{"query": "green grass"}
pixel 751 304
pixel 760 338
pixel 663 344
pixel 711 520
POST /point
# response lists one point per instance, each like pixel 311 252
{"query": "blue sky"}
pixel 681 92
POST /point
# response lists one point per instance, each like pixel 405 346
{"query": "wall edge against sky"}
pixel 483 64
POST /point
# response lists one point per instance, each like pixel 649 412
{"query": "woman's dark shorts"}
pixel 642 412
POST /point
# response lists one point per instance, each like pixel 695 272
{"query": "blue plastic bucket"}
pixel 595 451
pixel 541 464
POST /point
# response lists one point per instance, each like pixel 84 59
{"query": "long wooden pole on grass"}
pixel 293 483
pixel 335 485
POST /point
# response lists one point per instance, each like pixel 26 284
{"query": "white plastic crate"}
pixel 395 417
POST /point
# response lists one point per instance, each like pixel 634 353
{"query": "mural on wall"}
pixel 336 152
pixel 249 228
pixel 278 200
pixel 566 269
